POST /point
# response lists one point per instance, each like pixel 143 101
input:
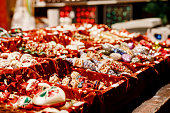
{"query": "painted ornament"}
pixel 50 96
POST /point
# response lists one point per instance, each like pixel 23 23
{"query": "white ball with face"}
pixel 50 96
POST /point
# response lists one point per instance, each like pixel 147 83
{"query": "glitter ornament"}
pixel 103 68
pixel 119 67
pixel 96 62
pixel 102 86
pixel 74 83
pixel 78 62
pixel 135 60
pixel 127 50
pixel 117 50
pixel 54 78
pixel 111 72
pixel 89 65
pixel 124 44
pixel 140 49
pixel 126 57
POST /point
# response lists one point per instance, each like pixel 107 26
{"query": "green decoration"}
pixel 27 100
pixel 43 94
pixel 159 9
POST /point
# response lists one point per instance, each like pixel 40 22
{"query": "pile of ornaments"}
pixel 38 95
pixel 75 80
pixel 102 50
pixel 128 52
pixel 100 65
pixel 36 48
pixel 16 60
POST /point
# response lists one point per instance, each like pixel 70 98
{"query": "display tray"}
pixel 78 107
pixel 86 71
pixel 146 80
pixel 10 44
pixel 113 97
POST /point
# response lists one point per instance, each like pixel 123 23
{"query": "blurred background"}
pixel 30 14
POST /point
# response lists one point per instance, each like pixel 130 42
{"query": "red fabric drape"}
pixel 3 14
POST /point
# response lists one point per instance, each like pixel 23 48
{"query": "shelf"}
pixel 62 4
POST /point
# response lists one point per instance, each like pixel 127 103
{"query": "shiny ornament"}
pixel 131 45
pixel 115 56
pixel 66 81
pixel 74 74
pixel 107 46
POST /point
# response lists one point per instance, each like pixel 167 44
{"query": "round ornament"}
pixel 115 56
